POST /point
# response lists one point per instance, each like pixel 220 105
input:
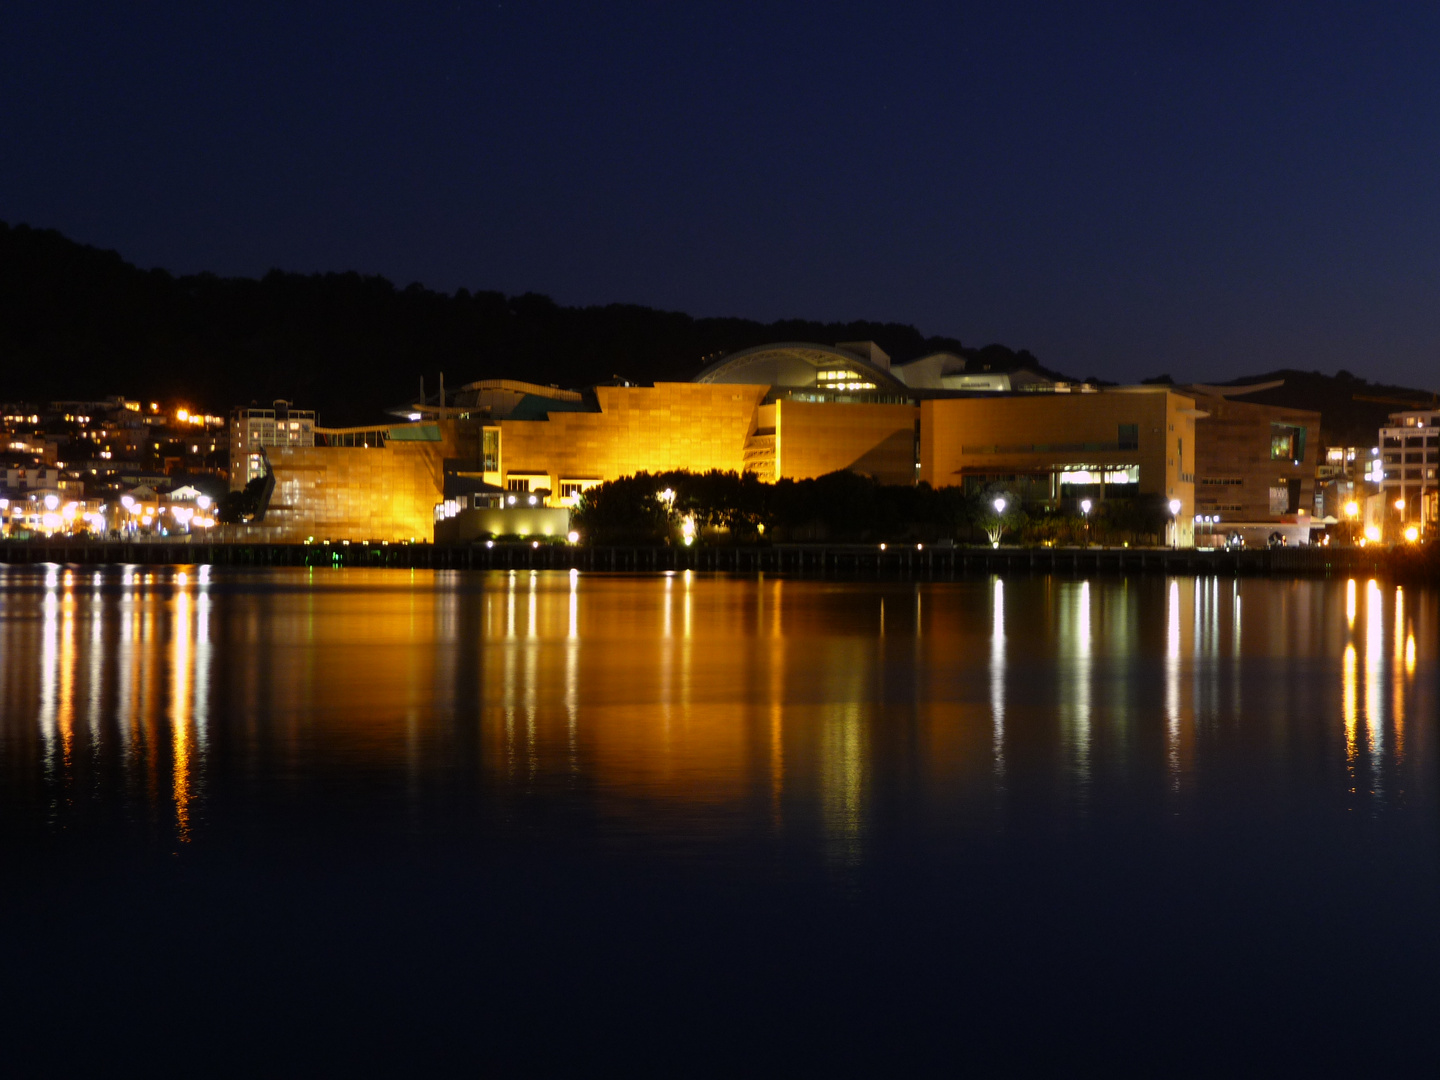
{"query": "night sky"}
pixel 1207 189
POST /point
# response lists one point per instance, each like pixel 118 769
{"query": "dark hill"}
pixel 1352 410
pixel 78 322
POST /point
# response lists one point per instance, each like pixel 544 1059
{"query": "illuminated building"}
pixel 1255 467
pixel 1410 453
pixel 1056 448
pixel 789 410
pixel 252 431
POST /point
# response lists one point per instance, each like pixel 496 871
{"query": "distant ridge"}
pixel 1351 409
pixel 79 322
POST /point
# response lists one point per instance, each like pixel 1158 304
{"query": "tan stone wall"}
pixel 696 426
pixel 877 440
pixel 345 493
pixel 1233 443
pixel 1032 432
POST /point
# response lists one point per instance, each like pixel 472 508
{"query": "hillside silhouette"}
pixel 79 322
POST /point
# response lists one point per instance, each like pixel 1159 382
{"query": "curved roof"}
pixel 792 363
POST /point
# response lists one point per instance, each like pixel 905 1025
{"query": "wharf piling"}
pixel 810 560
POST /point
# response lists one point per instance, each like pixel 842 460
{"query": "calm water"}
pixel 313 819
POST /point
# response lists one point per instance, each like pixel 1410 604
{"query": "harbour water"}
pixel 318 818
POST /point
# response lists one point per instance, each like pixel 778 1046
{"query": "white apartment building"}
pixel 1410 454
pixel 251 430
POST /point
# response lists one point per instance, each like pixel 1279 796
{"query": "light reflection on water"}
pixel 859 813
pixel 695 707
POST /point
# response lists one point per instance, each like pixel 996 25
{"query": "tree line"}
pixel 843 507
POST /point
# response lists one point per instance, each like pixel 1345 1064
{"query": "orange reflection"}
pixel 180 690
pixel 1348 704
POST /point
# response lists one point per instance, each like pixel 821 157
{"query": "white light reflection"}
pixel 1080 719
pixel 50 670
pixel 997 674
pixel 1374 665
pixel 1172 683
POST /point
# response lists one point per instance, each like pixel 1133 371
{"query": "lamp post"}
pixel 1085 505
pixel 998 530
pixel 1174 523
pixel 1352 511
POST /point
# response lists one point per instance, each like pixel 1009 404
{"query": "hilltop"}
pixel 79 322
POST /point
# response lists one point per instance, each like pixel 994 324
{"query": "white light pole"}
pixel 1174 523
pixel 1085 505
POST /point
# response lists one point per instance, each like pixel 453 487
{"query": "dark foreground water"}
pixel 321 820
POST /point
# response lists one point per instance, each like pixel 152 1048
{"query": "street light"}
pixel 999 506
pixel 1174 523
pixel 1085 505
pixel 1352 511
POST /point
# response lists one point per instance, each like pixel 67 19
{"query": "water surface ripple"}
pixel 702 822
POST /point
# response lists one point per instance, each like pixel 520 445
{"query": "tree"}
pixel 998 511
pixel 237 507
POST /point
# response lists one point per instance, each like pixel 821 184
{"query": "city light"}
pixel 1412 534
pixel 999 506
pixel 573 536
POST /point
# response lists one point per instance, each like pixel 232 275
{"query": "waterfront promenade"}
pixel 906 560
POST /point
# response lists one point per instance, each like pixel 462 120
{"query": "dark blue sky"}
pixel 1203 189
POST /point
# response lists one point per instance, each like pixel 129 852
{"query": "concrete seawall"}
pixel 848 560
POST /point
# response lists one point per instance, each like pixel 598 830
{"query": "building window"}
pixel 517 484
pixel 1129 437
pixel 1279 499
pixel 1287 443
pixel 490 450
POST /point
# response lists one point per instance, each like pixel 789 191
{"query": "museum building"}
pixel 787 410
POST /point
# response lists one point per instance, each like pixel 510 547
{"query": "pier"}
pixel 818 560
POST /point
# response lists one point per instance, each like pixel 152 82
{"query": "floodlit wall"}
pixel 694 426
pixel 522 521
pixel 813 439
pixel 358 493
pixel 1031 434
